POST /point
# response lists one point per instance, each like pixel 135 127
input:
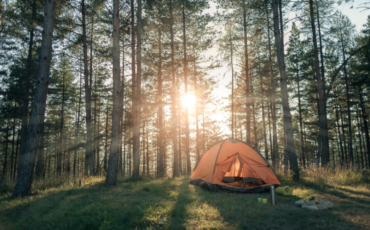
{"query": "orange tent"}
pixel 233 165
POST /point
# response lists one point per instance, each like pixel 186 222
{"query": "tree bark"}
pixel 111 178
pixel 300 121
pixel 366 127
pixel 176 157
pixel 350 147
pixel 89 164
pixel 137 108
pixel 246 68
pixel 61 146
pixel 13 139
pixel 232 90
pixel 196 113
pixel 40 155
pixel 323 124
pixel 187 147
pixel 106 142
pixel 98 141
pixel 27 86
pixel 274 156
pixel 147 154
pixel 27 158
pixel 77 130
pixel 284 95
pixel 344 135
pixel 6 151
pixel 160 109
pixel 359 136
pixel 69 156
pixel 123 109
pixel 263 117
pixel 93 144
pixel 340 136
pixel 16 156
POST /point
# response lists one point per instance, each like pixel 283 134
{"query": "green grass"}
pixel 62 204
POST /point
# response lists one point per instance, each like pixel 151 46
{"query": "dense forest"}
pixel 130 88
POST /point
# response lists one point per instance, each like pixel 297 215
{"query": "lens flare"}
pixel 188 101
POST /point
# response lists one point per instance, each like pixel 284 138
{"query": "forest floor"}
pixel 63 204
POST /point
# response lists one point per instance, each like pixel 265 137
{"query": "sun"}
pixel 188 100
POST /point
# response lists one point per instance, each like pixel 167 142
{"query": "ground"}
pixel 63 204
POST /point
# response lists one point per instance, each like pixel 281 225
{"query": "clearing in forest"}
pixel 139 205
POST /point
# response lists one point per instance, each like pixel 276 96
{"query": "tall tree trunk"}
pixel 320 41
pixel 93 144
pixel 344 135
pixel 350 147
pixel 129 156
pixel 359 136
pixel 165 147
pixel 16 156
pixel 68 155
pixel 366 127
pixel 40 155
pixel 27 158
pixel 77 129
pixel 46 156
pixel 246 69
pixel 61 146
pixel 300 121
pixel 13 139
pixel 340 136
pixel 121 108
pixel 123 112
pixel 6 151
pixel 27 86
pixel 94 135
pixel 270 132
pixel 181 169
pixel 106 142
pixel 323 124
pixel 137 108
pixel 160 109
pixel 89 163
pixel 203 132
pixel 98 142
pixel 254 116
pixel 263 117
pixel 147 154
pixel 274 156
pixel 143 146
pixel 284 95
pixel 196 114
pixel 187 147
pixel 232 89
pixel 111 178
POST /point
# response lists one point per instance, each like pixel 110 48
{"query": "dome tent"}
pixel 233 165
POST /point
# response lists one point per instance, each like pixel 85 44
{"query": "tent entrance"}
pixel 240 174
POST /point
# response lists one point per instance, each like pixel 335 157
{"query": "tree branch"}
pixel 340 67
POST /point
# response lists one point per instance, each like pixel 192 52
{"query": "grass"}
pixel 63 204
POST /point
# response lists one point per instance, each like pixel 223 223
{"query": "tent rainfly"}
pixel 233 165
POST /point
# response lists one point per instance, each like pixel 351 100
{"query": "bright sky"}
pixel 357 16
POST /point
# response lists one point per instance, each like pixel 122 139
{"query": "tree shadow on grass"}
pixel 178 215
pixel 366 194
pixel 94 206
pixel 243 212
pixel 339 192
